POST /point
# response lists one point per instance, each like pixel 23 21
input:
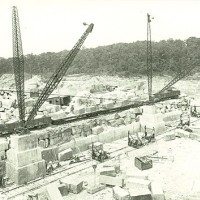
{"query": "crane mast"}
pixel 149 57
pixel 58 75
pixel 18 64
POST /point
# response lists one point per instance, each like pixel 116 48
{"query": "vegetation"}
pixel 125 59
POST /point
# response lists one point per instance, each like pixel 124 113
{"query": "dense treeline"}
pixel 169 57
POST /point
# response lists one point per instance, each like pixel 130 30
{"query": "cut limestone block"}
pixel 137 183
pixel 140 194
pixel 22 175
pixel 194 136
pixel 53 192
pixel 157 191
pixel 58 115
pixel 153 118
pixel 91 109
pixel 74 185
pixel 50 154
pixel 108 105
pixel 169 136
pixel 2 155
pixel 65 155
pixel 98 129
pixel 182 133
pixel 108 171
pixel 63 189
pixel 113 181
pixel 3 145
pixel 149 109
pixel 79 111
pixel 172 116
pixel 97 146
pixel 96 188
pixel 22 158
pixel 23 142
pixel 2 167
pixel 120 194
pixel 139 175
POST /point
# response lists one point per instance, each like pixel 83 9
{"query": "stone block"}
pixel 120 194
pixel 79 111
pixel 108 171
pixel 65 155
pixel 140 194
pixel 96 188
pixel 169 137
pixel 108 105
pixel 113 181
pixel 22 158
pixel 150 109
pixel 194 136
pixel 4 145
pixel 98 129
pixel 23 142
pixel 2 155
pixel 53 192
pixel 22 175
pixel 74 185
pixel 63 189
pixel 2 167
pixel 58 115
pixel 182 133
pixel 157 191
pixel 137 183
pixel 152 118
pixel 172 116
pixel 50 154
pixel 91 109
pixel 139 175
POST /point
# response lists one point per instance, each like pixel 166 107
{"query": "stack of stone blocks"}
pixel 24 160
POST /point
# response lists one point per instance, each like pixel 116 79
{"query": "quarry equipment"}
pixel 18 63
pixel 194 112
pixel 143 163
pixel 137 142
pixel 149 57
pixel 184 122
pixel 99 154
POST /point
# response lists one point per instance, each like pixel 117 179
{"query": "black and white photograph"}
pixel 99 99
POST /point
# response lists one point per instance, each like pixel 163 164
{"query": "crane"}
pixel 18 64
pixel 149 57
pixel 59 74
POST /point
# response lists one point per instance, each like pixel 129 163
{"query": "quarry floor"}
pixel 179 173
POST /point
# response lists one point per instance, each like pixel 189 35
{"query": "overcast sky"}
pixel 55 25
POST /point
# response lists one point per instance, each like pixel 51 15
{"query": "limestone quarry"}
pixel 56 162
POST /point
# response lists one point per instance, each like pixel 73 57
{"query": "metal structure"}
pixel 18 64
pixel 59 73
pixel 149 57
pixel 181 75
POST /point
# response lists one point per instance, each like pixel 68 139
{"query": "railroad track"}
pixel 64 171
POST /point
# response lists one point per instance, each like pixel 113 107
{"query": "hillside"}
pixel 125 59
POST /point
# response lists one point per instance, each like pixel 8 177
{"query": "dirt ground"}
pixel 179 173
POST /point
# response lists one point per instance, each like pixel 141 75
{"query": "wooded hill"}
pixel 124 59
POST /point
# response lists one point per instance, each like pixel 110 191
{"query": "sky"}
pixel 56 25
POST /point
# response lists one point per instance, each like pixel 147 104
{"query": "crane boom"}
pixel 177 78
pixel 18 64
pixel 149 57
pixel 59 73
